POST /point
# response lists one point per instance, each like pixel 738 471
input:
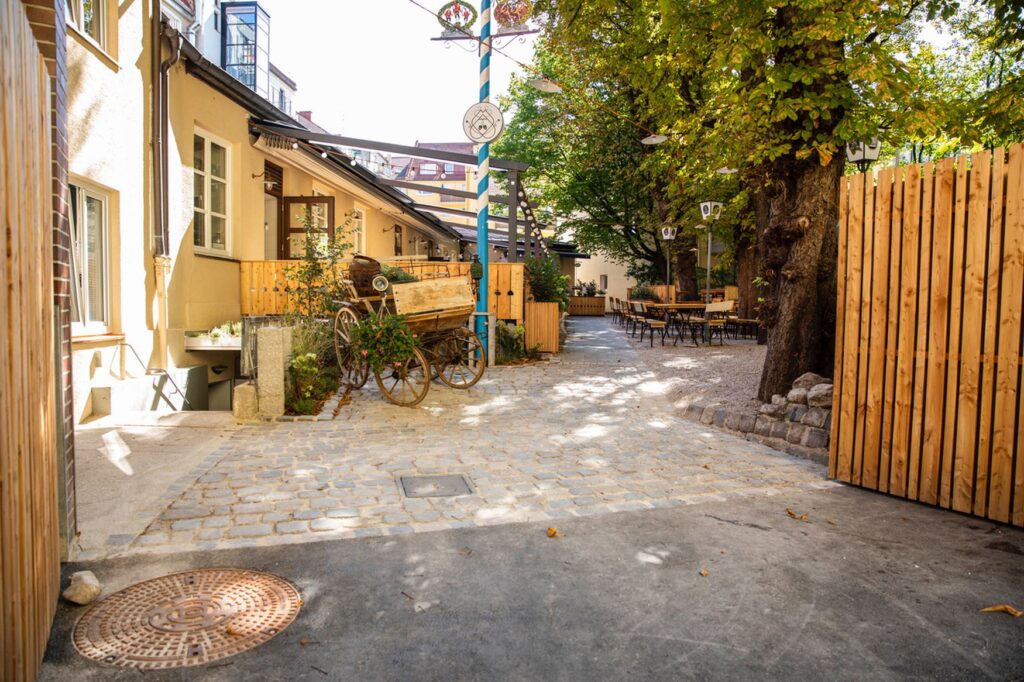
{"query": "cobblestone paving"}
pixel 590 432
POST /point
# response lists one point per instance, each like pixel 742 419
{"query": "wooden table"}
pixel 669 307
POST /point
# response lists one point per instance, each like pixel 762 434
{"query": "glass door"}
pixel 317 212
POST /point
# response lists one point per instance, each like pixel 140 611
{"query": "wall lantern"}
pixel 863 154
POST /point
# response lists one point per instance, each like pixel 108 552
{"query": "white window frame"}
pixel 79 271
pixel 207 249
pixel 358 230
pixel 75 10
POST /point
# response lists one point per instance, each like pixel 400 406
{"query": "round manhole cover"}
pixel 187 619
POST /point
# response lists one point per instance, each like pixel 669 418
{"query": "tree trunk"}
pixel 686 269
pixel 798 253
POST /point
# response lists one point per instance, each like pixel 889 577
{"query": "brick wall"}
pixel 50 30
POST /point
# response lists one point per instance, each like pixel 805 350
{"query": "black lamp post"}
pixel 863 154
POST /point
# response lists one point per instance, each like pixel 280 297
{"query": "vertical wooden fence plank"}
pixel 879 310
pixel 907 330
pixel 892 329
pixel 837 372
pixel 921 335
pixel 956 270
pixel 865 342
pixel 934 407
pixel 976 238
pixel 1010 333
pixel 990 348
pixel 844 469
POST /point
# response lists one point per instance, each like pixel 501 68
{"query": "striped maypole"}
pixel 483 187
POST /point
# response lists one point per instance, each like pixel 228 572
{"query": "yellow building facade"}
pixel 223 208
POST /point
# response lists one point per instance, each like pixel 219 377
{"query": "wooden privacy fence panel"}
pixel 264 284
pixel 29 535
pixel 541 324
pixel 929 340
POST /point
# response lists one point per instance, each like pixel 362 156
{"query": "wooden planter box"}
pixel 586 305
pixel 541 325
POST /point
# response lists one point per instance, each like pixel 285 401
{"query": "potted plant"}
pixel 644 292
pixel 385 342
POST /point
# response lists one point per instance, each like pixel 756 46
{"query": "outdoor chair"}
pixel 687 322
pixel 716 314
pixel 618 314
pixel 651 321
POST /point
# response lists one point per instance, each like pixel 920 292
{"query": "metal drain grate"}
pixel 187 619
pixel 435 486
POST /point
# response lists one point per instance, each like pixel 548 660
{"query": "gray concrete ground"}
pixel 592 431
pixel 870 588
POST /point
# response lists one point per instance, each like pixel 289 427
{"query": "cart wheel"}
pixel 407 385
pixel 354 371
pixel 461 360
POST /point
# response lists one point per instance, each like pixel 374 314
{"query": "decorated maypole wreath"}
pixel 512 15
pixel 456 17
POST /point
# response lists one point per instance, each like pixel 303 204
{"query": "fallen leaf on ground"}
pixel 552 532
pixel 703 573
pixel 466 552
pixel 1003 608
pixel 707 466
pixel 793 515
pixel 234 632
pixel 407 595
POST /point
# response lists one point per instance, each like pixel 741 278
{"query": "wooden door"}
pixel 319 211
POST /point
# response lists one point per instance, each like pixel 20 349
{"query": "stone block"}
pixel 798 396
pixel 795 412
pixel 820 396
pixel 809 380
pixel 694 411
pixel 245 405
pixel 815 438
pixel 274 352
pixel 719 419
pixel 745 423
pixel 778 399
pixel 795 433
pixel 763 425
pixel 815 417
pixel 707 416
pixel 84 588
pixel 779 430
pixel 772 409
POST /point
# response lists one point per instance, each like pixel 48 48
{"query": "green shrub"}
pixel 384 342
pixel 643 292
pixel 547 283
pixel 397 275
pixel 512 344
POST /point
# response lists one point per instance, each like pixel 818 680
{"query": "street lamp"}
pixel 545 85
pixel 863 154
pixel 668 234
pixel 654 139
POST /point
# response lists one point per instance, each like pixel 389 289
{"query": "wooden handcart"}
pixel 437 311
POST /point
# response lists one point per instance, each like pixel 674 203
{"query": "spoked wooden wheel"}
pixel 460 359
pixel 406 385
pixel 354 372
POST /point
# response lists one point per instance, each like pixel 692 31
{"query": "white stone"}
pixel 820 396
pixel 809 380
pixel 798 396
pixel 84 588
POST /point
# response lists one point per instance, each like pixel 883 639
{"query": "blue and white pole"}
pixel 483 186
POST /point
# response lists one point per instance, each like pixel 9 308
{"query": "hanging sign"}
pixel 512 15
pixel 456 17
pixel 483 123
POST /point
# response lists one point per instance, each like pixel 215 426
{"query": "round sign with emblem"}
pixel 483 123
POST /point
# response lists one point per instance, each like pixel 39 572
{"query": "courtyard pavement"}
pixel 591 431
pixel 868 588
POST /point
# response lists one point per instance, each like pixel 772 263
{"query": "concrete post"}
pixel 273 353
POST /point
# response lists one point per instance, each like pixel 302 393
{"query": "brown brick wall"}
pixel 50 30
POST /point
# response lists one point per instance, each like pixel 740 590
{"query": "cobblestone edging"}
pixel 793 423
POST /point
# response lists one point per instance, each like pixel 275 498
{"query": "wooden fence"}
pixel 265 283
pixel 586 305
pixel 929 341
pixel 29 535
pixel 541 324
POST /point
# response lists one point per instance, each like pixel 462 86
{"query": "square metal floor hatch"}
pixel 435 486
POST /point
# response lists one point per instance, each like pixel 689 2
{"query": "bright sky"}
pixel 368 69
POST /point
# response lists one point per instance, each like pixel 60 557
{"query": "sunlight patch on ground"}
pixel 492 513
pixel 652 556
pixel 682 363
pixel 590 431
pixel 658 424
pixel 116 451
